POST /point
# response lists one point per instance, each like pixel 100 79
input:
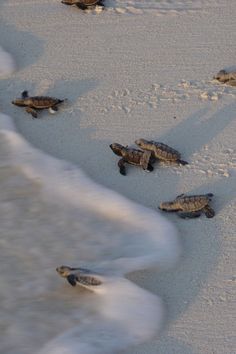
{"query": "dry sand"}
pixel 132 72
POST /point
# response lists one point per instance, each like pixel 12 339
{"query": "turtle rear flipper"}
pixel 71 279
pixel 209 212
pixel 145 160
pixel 24 94
pixel 32 111
pixel 182 162
pixel 53 109
pixel 189 215
pixel 121 165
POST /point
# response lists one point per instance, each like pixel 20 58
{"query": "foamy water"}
pixel 7 65
pixel 51 214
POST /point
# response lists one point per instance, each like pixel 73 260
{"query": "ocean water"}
pixel 51 214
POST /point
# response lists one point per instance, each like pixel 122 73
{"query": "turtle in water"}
pixel 84 4
pixel 161 151
pixel 132 157
pixel 225 77
pixel 80 276
pixel 190 206
pixel 37 103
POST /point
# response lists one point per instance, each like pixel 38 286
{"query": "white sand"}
pixel 127 72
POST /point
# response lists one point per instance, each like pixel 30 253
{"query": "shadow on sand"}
pixel 201 248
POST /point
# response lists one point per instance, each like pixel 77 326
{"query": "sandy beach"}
pixel 135 70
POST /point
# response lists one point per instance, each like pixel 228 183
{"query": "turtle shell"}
pixel 132 156
pixel 41 102
pixel 224 76
pixel 165 152
pixel 160 151
pixel 81 2
pixel 192 203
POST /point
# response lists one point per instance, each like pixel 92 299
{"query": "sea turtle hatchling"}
pixel 190 206
pixel 132 157
pixel 226 77
pixel 161 151
pixel 84 4
pixel 36 103
pixel 80 276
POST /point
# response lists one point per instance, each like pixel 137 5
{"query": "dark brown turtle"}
pixel 190 206
pixel 161 151
pixel 84 4
pixel 132 157
pixel 225 77
pixel 37 103
pixel 80 276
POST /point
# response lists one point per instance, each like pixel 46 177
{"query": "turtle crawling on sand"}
pixel 84 4
pixel 132 157
pixel 160 151
pixel 190 206
pixel 79 276
pixel 225 77
pixel 37 103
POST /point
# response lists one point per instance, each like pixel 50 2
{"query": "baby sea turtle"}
pixel 80 276
pixel 160 151
pixel 190 206
pixel 37 103
pixel 225 77
pixel 132 157
pixel 84 4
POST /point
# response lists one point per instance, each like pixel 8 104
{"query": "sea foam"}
pixel 7 64
pixel 51 214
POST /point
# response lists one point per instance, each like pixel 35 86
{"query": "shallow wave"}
pixel 51 213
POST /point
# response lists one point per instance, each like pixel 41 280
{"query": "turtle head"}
pixel 167 206
pixel 220 74
pixel 19 102
pixel 141 142
pixel 64 271
pixel 117 148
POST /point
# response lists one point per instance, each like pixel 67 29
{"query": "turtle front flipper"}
pixel 150 168
pixel 71 279
pixel 189 215
pixel 209 212
pixel 145 160
pixel 121 165
pixel 24 94
pixel 32 111
pixel 182 162
pixel 180 196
